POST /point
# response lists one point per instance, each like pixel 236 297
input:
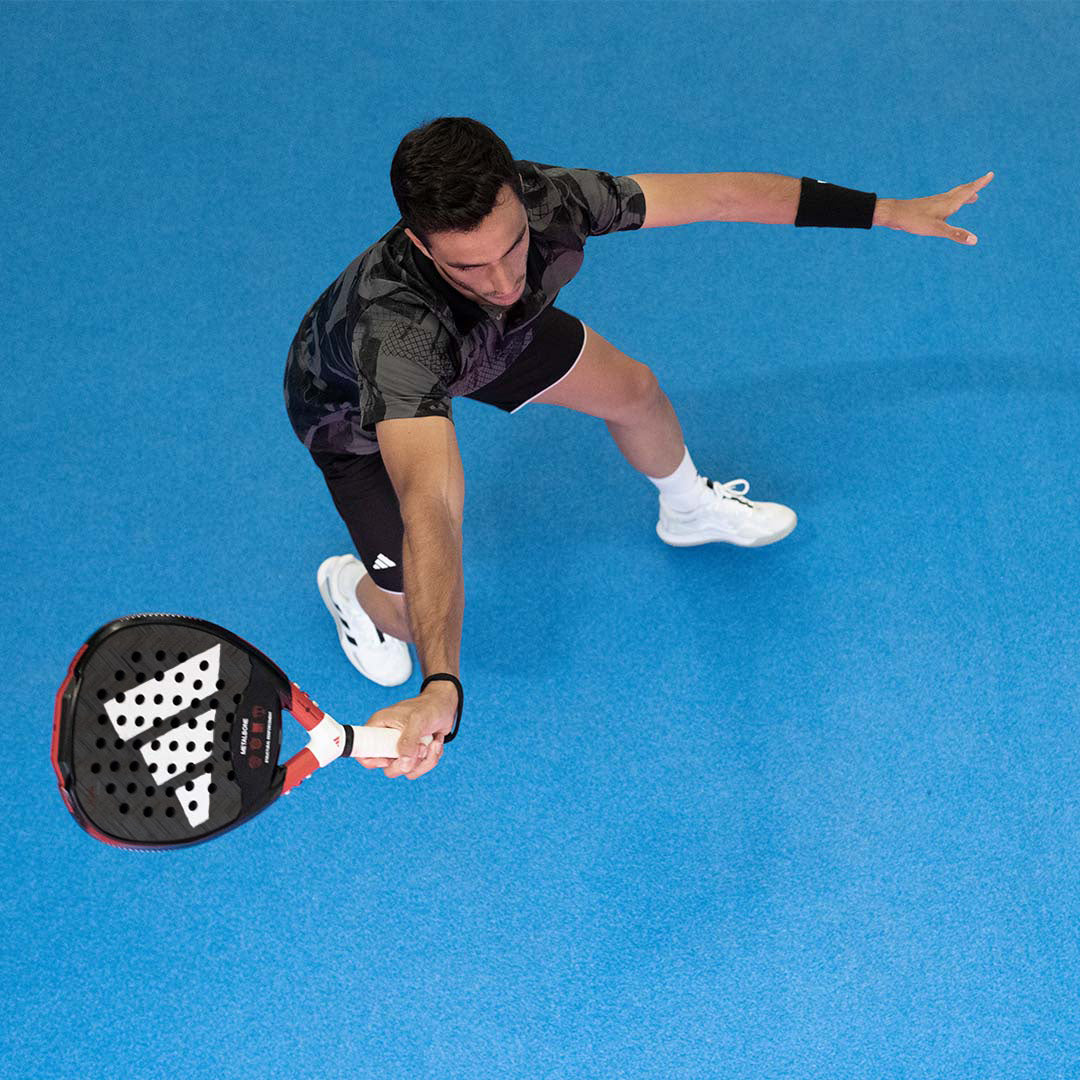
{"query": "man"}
pixel 458 299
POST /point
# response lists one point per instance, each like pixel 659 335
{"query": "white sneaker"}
pixel 382 658
pixel 725 514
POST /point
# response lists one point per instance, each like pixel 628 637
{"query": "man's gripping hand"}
pixel 928 216
pixel 432 713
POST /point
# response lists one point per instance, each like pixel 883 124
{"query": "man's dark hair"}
pixel 447 174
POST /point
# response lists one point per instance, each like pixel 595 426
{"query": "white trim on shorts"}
pixel 561 377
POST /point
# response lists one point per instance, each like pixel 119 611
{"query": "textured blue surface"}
pixel 808 811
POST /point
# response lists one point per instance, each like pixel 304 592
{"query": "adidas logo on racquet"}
pixel 169 755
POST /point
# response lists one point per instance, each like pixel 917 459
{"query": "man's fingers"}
pixel 929 216
pixel 425 759
pixel 375 762
pixel 943 228
pixel 975 185
pixel 965 194
pixel 409 757
pixel 418 745
pixel 961 236
pixel 429 763
pixel 950 232
pixel 406 763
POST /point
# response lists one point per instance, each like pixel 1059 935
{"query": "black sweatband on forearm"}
pixel 460 698
pixel 829 206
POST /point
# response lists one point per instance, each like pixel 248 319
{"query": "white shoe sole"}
pixel 325 572
pixel 696 541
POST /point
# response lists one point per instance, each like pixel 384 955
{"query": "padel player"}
pixel 458 299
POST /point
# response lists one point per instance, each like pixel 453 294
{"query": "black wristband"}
pixel 829 206
pixel 460 699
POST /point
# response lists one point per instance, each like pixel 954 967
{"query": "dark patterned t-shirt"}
pixel 391 338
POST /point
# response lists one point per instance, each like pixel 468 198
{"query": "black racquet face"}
pixel 167 731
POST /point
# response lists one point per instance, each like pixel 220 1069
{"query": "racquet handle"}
pixel 327 734
pixel 325 746
pixel 377 742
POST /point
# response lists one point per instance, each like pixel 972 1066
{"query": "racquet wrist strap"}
pixel 829 206
pixel 446 677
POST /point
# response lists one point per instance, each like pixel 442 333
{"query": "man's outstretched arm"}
pixel 422 458
pixel 773 199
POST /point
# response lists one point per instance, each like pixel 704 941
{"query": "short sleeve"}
pixel 595 202
pixel 404 366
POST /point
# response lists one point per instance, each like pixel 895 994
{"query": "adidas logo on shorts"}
pixel 383 563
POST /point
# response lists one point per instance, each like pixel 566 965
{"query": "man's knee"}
pixel 606 383
pixel 640 393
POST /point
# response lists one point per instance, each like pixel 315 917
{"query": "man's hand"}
pixel 928 216
pixel 432 713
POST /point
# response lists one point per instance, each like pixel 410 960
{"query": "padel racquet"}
pixel 167 731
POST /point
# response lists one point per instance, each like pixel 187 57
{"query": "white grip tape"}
pixel 377 742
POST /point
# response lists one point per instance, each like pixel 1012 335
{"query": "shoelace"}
pixel 730 490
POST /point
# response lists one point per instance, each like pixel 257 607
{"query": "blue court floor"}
pixel 802 812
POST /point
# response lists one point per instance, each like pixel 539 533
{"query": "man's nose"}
pixel 504 282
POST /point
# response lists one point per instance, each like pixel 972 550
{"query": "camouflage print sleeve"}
pixel 404 366
pixel 597 202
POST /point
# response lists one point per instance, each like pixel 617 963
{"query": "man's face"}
pixel 488 264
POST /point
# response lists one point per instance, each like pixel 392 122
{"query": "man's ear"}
pixel 409 233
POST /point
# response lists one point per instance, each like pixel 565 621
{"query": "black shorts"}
pixel 360 485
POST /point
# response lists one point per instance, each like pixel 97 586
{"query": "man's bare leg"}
pixel 607 383
pixel 386 610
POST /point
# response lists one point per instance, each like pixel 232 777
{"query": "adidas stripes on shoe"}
pixel 382 658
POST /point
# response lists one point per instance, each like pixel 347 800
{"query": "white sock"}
pixel 680 490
